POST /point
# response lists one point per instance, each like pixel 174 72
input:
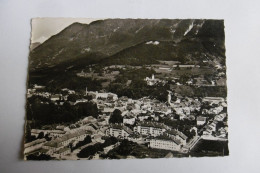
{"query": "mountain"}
pixel 113 37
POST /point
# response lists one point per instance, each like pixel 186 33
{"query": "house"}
pixel 55 97
pixel 165 143
pixel 181 137
pixel 201 120
pixel 52 146
pixel 143 117
pixel 108 110
pixel 220 117
pixel 56 133
pixel 36 132
pixel 61 127
pixel 212 126
pixel 207 132
pixel 151 81
pixel 97 95
pixel 118 131
pixel 129 118
pixel 135 137
pixel 38 86
pixel 213 100
pixel 30 91
pixel 222 132
pixel 185 66
pixel 68 91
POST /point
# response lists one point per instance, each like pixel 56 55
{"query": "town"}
pixel 174 126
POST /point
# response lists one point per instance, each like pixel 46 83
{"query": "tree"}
pixel 125 148
pixel 87 109
pixel 219 125
pixel 41 135
pixel 88 97
pixel 176 116
pixel 38 157
pixel 86 140
pixel 73 97
pixel 47 137
pixel 116 117
pixel 193 133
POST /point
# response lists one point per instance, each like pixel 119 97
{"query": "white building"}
pixel 118 131
pixel 97 95
pixel 165 143
pixel 55 97
pixel 151 81
pixel 150 128
pixel 213 100
pixel 201 120
pixel 129 118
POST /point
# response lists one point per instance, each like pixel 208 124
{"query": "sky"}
pixel 44 28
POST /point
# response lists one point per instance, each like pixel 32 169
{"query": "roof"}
pixel 55 96
pixel 57 131
pixel 118 126
pixel 200 118
pixel 176 132
pixel 172 132
pixel 38 141
pixel 129 115
pixel 182 135
pixel 57 142
pixel 62 150
pixel 96 136
pixel 60 127
pixel 53 143
pixel 36 131
pixel 42 150
pixel 167 138
pixel 128 130
pixel 152 124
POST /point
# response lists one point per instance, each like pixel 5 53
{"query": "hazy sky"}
pixel 44 28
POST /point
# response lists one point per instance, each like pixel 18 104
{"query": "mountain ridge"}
pixel 78 39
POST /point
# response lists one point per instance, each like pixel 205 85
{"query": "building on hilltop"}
pixel 151 81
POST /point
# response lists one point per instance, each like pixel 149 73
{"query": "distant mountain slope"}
pixel 109 37
pixel 150 52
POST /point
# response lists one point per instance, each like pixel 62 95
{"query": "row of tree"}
pixel 48 113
